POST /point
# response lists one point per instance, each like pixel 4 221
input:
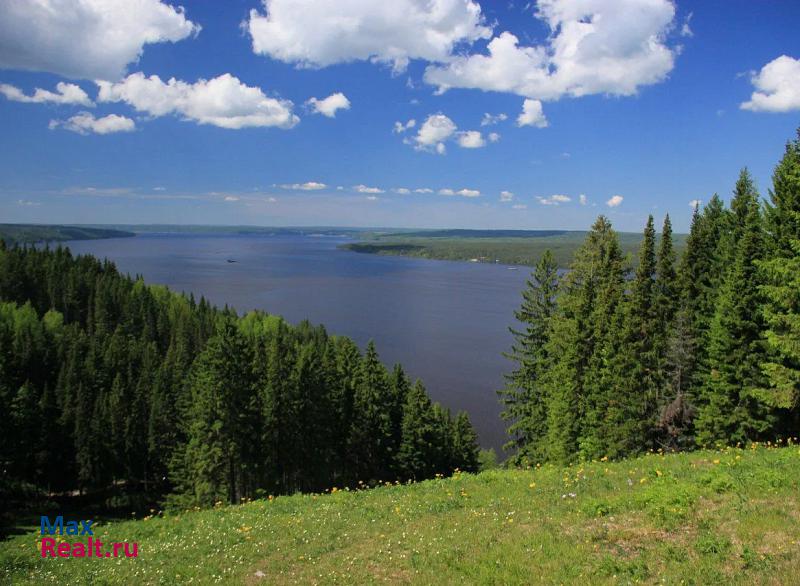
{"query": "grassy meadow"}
pixel 707 517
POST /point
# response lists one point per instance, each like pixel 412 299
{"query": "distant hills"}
pixel 33 233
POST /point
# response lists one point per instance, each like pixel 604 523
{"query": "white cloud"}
pixel 615 201
pixel 85 123
pixel 491 119
pixel 318 33
pixel 695 203
pixel 462 192
pixel 372 198
pixel 402 190
pixel 519 206
pixel 493 137
pixel 423 190
pixel 223 101
pixel 307 186
pixel 582 199
pixel 231 198
pixel 367 189
pixel 400 128
pixel 506 196
pixel 777 87
pixel 470 139
pixel 159 188
pixel 328 106
pixel 27 203
pixel 532 114
pixel 686 30
pixel 596 47
pixel 66 93
pixel 87 39
pixel 554 200
pixel 436 129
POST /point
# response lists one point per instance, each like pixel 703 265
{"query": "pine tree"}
pixel 630 364
pixel 221 386
pixel 587 301
pixel 525 404
pixel 729 411
pixel 370 441
pixel 418 452
pixel 781 276
pixel 465 444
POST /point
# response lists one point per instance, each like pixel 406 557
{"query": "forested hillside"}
pixel 32 233
pixel 700 352
pixel 129 394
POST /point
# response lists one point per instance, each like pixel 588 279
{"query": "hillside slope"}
pixel 699 518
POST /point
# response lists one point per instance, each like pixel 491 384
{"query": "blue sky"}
pixel 646 105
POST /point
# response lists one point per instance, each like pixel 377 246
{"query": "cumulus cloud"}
pixel 519 206
pixel 86 123
pixel 231 198
pixel 490 119
pixel 223 101
pixel 400 128
pixel 307 186
pixel 423 190
pixel 436 129
pixel 532 114
pixel 402 190
pixel 372 198
pixel 582 199
pixel 554 200
pixel 318 33
pixel 777 87
pixel 462 192
pixel 614 201
pixel 88 39
pixel 595 47
pixel 328 106
pixel 470 139
pixel 367 189
pixel 506 196
pixel 66 93
pixel 695 203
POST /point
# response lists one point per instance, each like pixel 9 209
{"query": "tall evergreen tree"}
pixel 525 404
pixel 729 410
pixel 781 276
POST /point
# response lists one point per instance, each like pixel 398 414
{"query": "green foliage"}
pixel 709 354
pixel 524 397
pixel 132 395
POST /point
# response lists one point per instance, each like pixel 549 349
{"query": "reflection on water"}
pixel 446 322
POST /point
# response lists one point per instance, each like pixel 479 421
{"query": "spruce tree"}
pixel 524 401
pixel 780 271
pixel 729 410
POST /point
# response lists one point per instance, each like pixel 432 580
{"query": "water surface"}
pixel 446 322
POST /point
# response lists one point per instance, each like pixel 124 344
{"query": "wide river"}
pixel 446 322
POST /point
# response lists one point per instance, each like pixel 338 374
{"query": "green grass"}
pixel 710 517
pixel 524 248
